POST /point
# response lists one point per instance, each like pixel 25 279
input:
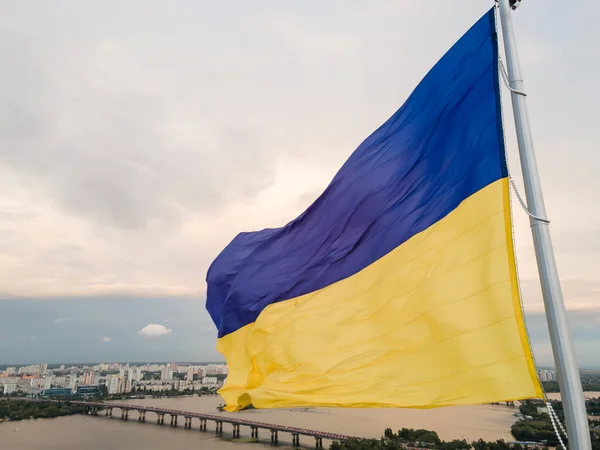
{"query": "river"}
pixel 100 433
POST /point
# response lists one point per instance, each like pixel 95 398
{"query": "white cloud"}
pixel 106 339
pixel 62 319
pixel 154 330
pixel 207 328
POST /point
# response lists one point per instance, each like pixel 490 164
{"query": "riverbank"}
pixel 13 410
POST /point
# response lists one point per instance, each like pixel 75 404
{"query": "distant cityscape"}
pixel 546 375
pixel 113 379
pixel 118 378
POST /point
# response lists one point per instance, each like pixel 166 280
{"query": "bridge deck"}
pixel 218 418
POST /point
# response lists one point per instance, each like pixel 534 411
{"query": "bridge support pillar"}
pixel 126 414
pixel 318 442
pixel 161 419
pixel 188 422
pixel 219 428
pixel 236 430
pixel 274 437
pixel 295 440
pixel 254 433
pixel 202 424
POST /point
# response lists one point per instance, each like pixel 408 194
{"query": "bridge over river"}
pixel 94 408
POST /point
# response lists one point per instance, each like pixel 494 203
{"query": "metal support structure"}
pixel 556 313
pixel 318 442
pixel 274 437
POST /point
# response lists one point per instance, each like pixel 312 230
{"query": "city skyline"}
pixel 114 378
pixel 130 158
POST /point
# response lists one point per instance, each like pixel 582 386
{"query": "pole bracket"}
pixel 514 4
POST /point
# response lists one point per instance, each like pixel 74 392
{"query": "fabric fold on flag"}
pixel 397 287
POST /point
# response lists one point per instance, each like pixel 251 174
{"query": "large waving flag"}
pixel 397 287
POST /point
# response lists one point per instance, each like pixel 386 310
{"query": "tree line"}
pixel 18 410
pixel 537 427
pixel 419 438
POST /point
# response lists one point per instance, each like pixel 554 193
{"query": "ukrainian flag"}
pixel 397 287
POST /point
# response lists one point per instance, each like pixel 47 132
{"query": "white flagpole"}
pixel 556 314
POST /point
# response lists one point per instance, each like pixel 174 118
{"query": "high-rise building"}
pixel 43 369
pixel 113 384
pixel 37 383
pixel 166 374
pixel 547 375
pixel 10 388
pixel 48 381
pixel 190 373
pixel 138 374
pixel 73 382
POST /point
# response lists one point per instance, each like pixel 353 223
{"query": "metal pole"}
pixel 556 313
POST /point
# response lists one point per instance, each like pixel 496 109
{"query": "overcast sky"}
pixel 137 137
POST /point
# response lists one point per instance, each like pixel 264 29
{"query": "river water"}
pixel 101 433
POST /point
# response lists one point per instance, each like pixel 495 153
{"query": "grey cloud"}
pixel 577 293
pixel 103 150
pixel 10 216
pixel 586 240
pixel 142 116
